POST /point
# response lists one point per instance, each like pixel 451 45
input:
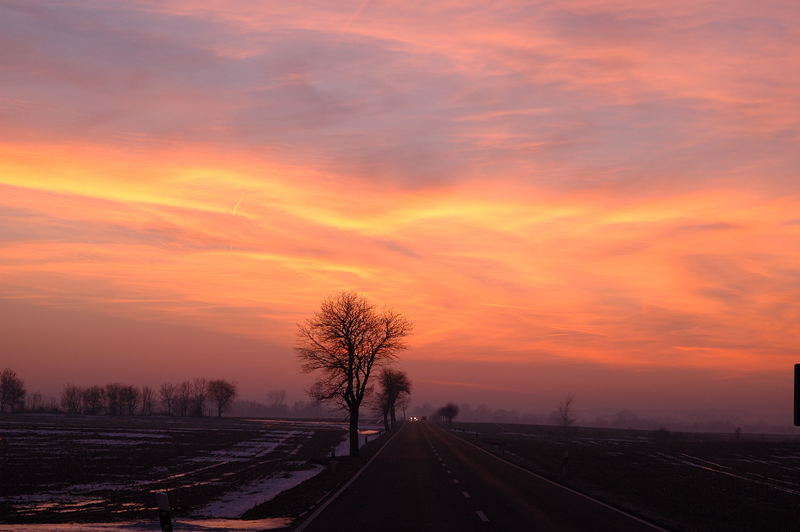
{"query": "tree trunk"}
pixel 354 432
pixel 394 416
pixel 386 420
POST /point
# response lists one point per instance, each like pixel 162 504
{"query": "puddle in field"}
pixel 265 445
pixel 32 508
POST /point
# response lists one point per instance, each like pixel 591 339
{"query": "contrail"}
pixel 236 207
pixel 352 19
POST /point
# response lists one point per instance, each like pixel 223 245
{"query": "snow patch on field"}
pixel 343 449
pixel 255 448
pixel 235 503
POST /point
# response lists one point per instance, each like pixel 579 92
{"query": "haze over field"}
pixel 598 197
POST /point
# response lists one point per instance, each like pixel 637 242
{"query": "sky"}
pixel 588 197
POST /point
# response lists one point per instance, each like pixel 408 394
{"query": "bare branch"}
pixel 343 343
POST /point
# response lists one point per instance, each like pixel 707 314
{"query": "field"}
pixel 684 481
pixel 101 469
pixel 56 468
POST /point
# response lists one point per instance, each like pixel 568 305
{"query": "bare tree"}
pixel 128 400
pixel 198 393
pixel 147 401
pixel 121 399
pixel 12 391
pixel 276 402
pixel 448 411
pixel 183 398
pixel 344 341
pixel 564 413
pixel 113 399
pixel 71 398
pixel 167 393
pixel 35 402
pixel 92 400
pixel 222 393
pixel 394 386
pixel 402 404
pixel 276 397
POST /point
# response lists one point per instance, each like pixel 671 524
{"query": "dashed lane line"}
pixel 465 494
pixel 482 516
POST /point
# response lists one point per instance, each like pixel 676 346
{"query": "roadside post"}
pixel 163 511
pixel 797 395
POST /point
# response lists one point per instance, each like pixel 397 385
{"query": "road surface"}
pixel 427 479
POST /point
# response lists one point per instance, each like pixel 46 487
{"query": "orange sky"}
pixel 587 187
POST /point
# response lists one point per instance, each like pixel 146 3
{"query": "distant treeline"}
pixel 276 406
pixel 699 421
pixel 195 397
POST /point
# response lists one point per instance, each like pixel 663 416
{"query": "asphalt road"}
pixel 427 479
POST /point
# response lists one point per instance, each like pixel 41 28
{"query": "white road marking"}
pixel 449 472
pixel 482 516
pixel 347 484
pixel 455 481
pixel 465 494
pixel 544 479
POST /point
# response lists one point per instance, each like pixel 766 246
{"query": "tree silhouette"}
pixel 197 390
pixel 92 400
pixel 222 393
pixel 394 387
pixel 448 411
pixel 147 400
pixel 71 398
pixel 565 413
pixel 168 393
pixel 343 342
pixel 12 391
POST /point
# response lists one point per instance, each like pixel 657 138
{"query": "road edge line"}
pixel 310 519
pixel 562 486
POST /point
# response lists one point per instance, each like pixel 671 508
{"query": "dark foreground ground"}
pixel 100 469
pixel 58 468
pixel 684 481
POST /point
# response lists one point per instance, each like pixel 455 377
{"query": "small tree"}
pixel 343 342
pixel 114 399
pixel 147 401
pixel 128 400
pixel 92 400
pixel 183 398
pixel 12 391
pixel 394 386
pixel 402 404
pixel 276 403
pixel 222 393
pixel 71 398
pixel 34 402
pixel 167 393
pixel 198 393
pixel 564 413
pixel 449 411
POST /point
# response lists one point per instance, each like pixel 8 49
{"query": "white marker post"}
pixel 163 511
